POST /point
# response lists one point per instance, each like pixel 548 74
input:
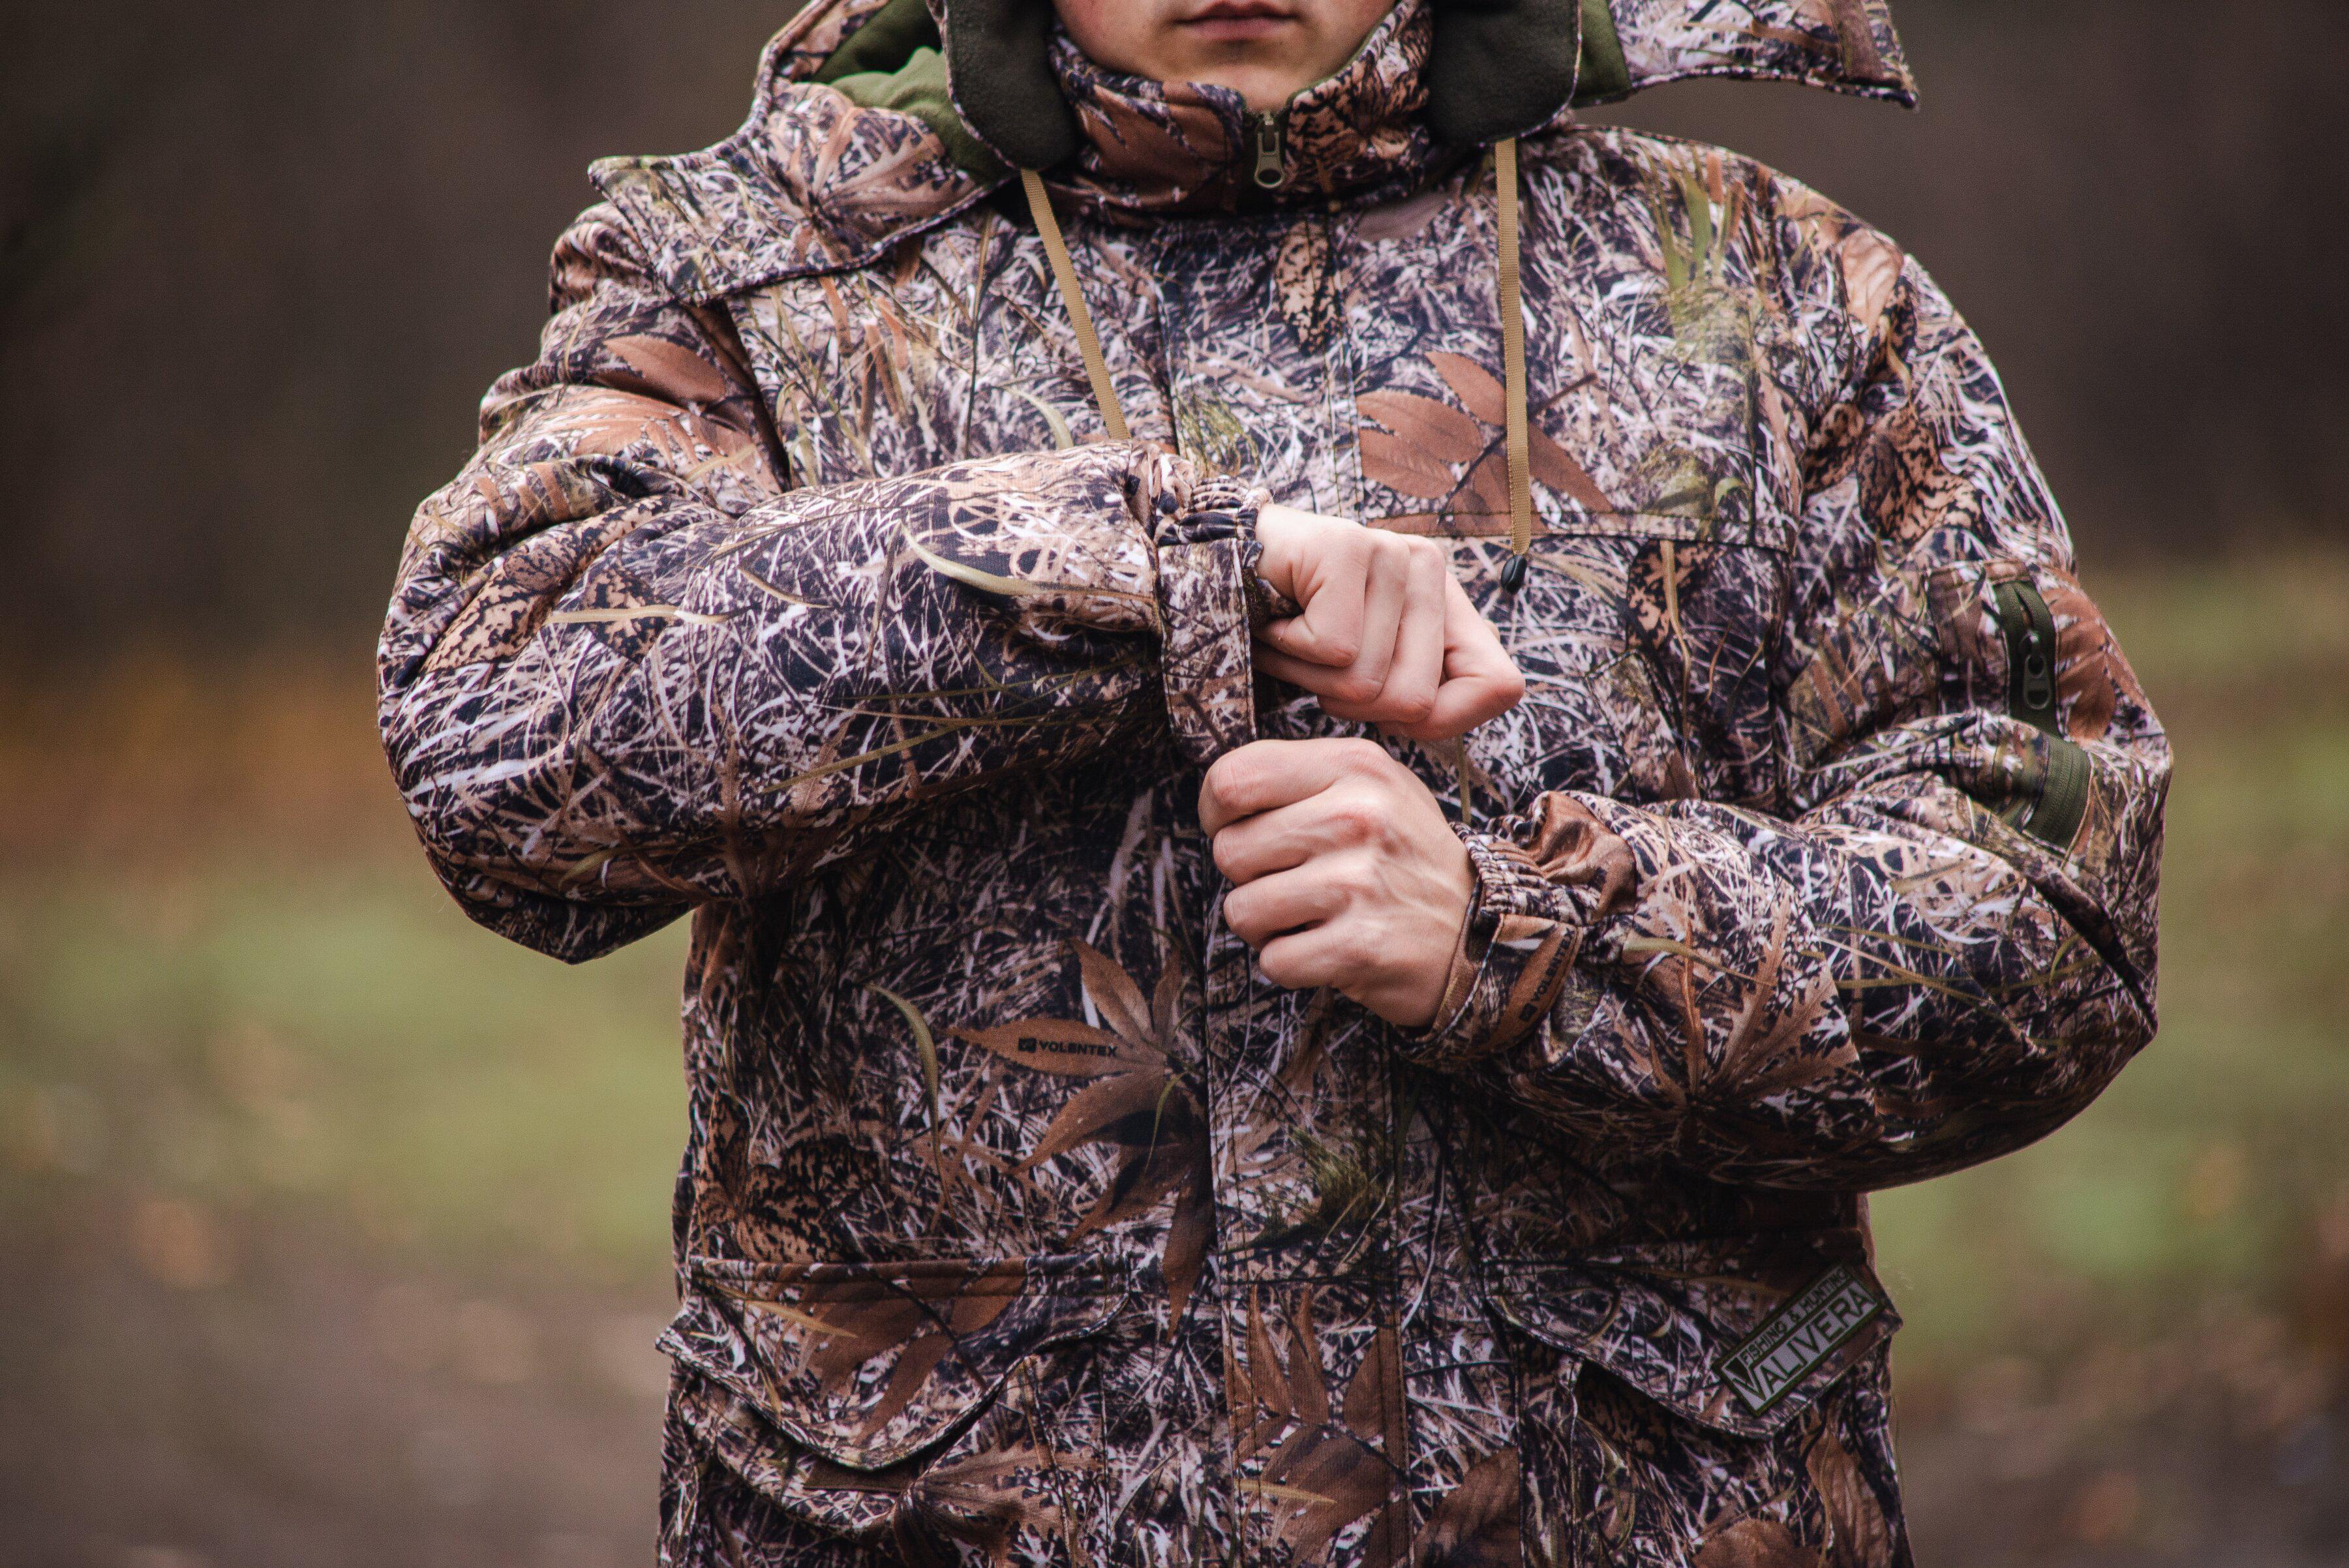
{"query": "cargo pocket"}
pixel 1739 1337
pixel 868 1366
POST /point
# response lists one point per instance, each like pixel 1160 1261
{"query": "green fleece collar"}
pixel 918 88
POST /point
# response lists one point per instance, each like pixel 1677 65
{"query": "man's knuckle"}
pixel 1240 916
pixel 1357 817
pixel 1357 878
pixel 1236 779
pixel 1353 948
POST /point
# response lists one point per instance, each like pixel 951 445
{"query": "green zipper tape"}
pixel 2030 628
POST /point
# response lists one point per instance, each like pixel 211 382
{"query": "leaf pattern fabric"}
pixel 794 589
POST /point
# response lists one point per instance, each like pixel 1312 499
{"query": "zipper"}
pixel 2055 815
pixel 1267 133
pixel 2030 628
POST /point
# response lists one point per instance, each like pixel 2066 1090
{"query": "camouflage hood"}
pixel 877 119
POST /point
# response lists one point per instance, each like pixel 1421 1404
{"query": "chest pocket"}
pixel 1649 619
pixel 1648 643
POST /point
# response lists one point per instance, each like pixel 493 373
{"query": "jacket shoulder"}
pixel 1818 259
pixel 814 181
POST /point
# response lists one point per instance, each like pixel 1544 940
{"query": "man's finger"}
pixel 1330 632
pixel 1267 775
pixel 1285 667
pixel 1311 958
pixel 1385 596
pixel 1260 910
pixel 1289 836
pixel 1331 686
pixel 1481 681
pixel 1460 706
pixel 1421 643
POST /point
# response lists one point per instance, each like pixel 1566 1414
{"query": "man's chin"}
pixel 1265 87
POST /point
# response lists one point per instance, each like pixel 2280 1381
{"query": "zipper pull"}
pixel 1271 155
pixel 2030 627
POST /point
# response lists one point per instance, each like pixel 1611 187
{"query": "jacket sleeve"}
pixel 628 670
pixel 1945 946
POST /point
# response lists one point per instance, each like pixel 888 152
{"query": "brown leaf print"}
pixel 1476 1525
pixel 1323 1477
pixel 1478 389
pixel 1553 466
pixel 1863 1536
pixel 1861 57
pixel 1481 394
pixel 661 368
pixel 1437 429
pixel 1140 1104
pixel 2092 677
pixel 850 1323
pixel 983 1502
pixel 1405 468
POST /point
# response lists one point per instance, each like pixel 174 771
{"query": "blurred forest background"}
pixel 333 1231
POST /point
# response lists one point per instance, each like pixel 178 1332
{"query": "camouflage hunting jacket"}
pixel 795 588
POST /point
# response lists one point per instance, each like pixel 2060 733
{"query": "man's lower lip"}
pixel 1236 29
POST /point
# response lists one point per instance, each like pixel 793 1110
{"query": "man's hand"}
pixel 1344 871
pixel 1388 636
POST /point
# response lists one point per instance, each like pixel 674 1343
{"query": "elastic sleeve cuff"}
pixel 1541 886
pixel 1210 605
pixel 1512 961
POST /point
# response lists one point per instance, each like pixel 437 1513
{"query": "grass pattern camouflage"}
pixel 1021 1220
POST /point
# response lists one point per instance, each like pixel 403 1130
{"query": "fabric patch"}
pixel 1800 1335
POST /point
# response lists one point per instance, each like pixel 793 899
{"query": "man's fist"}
pixel 1388 636
pixel 1344 871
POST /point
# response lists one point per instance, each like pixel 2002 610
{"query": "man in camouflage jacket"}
pixel 1025 1218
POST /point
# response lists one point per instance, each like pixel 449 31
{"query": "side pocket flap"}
pixel 868 1365
pixel 1740 1336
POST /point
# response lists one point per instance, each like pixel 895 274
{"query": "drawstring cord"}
pixel 1512 345
pixel 1064 272
pixel 1513 355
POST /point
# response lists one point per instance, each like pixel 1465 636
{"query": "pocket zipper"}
pixel 2055 815
pixel 2030 628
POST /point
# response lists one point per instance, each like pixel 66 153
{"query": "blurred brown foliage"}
pixel 258 262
